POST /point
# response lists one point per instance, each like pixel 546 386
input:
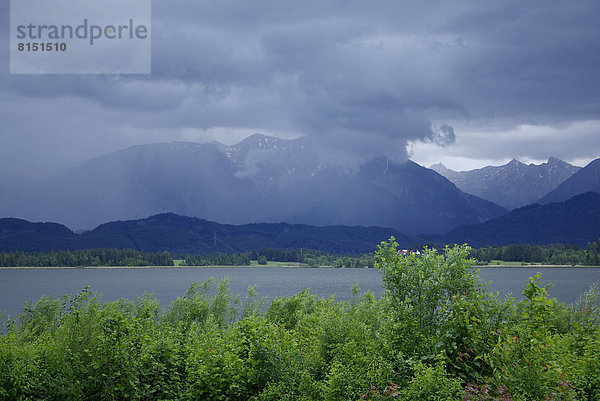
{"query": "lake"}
pixel 20 285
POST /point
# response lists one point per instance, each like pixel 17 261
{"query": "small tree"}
pixel 424 283
pixel 262 260
pixel 437 301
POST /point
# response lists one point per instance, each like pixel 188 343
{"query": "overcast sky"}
pixel 468 83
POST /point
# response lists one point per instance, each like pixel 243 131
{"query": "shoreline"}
pixel 518 266
pixel 142 267
pixel 291 266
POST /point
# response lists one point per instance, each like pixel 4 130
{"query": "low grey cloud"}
pixel 361 79
pixel 254 161
pixel 444 136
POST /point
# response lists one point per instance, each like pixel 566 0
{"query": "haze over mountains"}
pixel 575 221
pixel 261 179
pixel 514 184
pixel 269 180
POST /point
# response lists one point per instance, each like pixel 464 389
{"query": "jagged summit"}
pixel 512 185
pixel 515 162
pixel 555 160
pixel 586 179
pixel 438 167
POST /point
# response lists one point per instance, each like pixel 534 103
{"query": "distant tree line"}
pixel 314 258
pixel 223 259
pixel 86 257
pixel 117 257
pixel 243 259
pixel 309 257
pixel 556 254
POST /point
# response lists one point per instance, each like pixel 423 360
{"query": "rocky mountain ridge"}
pixel 512 185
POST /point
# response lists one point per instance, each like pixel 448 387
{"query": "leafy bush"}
pixel 432 383
pixel 423 284
pixel 586 310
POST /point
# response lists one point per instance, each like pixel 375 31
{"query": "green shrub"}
pixel 288 311
pixel 586 309
pixel 423 284
pixel 590 377
pixel 215 364
pixel 533 360
pixel 432 383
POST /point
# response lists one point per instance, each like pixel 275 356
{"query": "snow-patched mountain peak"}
pixel 512 185
pixel 272 160
pixel 586 179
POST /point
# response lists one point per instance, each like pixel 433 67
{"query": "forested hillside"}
pixel 180 234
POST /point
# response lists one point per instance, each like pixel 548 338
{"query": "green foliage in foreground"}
pixel 436 334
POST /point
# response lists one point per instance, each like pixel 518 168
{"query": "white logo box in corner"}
pixel 80 37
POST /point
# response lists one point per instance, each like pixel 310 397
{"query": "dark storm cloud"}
pixel 361 78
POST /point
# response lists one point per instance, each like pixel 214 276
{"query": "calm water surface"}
pixel 21 285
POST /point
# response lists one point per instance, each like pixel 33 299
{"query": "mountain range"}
pixel 261 179
pixel 514 184
pixel 575 221
pixel 175 233
pixel 270 180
